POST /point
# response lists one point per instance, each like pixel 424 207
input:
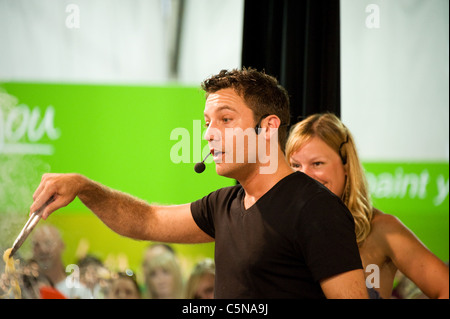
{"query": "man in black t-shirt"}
pixel 278 234
pixel 293 237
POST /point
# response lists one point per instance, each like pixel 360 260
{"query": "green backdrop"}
pixel 116 135
pixel 121 136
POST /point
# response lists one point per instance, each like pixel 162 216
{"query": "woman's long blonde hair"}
pixel 202 268
pixel 168 262
pixel 329 128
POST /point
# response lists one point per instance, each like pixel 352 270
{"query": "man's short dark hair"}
pixel 261 92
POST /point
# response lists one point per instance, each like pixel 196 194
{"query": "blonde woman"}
pixel 124 286
pixel 200 284
pixel 163 277
pixel 323 148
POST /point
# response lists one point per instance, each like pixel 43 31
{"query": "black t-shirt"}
pixel 295 235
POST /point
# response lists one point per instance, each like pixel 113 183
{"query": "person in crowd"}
pixel 163 277
pixel 33 280
pixel 322 147
pixel 124 286
pixel 94 275
pixel 47 248
pixel 265 245
pixel 153 250
pixel 200 284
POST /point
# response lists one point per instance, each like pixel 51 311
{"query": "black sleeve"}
pixel 327 237
pixel 202 211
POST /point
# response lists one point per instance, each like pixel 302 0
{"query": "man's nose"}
pixel 212 134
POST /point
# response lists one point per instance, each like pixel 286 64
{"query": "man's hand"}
pixel 63 187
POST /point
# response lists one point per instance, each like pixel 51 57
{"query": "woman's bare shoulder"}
pixel 385 220
pixel 384 224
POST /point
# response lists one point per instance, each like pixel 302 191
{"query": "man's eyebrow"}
pixel 225 107
pixel 222 108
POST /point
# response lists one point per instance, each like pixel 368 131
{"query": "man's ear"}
pixel 271 123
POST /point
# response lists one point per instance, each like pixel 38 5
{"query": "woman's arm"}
pixel 413 258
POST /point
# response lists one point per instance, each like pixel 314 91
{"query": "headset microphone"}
pixel 200 166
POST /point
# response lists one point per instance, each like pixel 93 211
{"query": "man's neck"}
pixel 257 184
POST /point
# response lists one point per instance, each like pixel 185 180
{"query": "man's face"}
pixel 230 134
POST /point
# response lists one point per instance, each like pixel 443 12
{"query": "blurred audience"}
pixel 33 280
pixel 154 250
pixel 200 284
pixel 47 247
pixel 163 277
pixel 124 286
pixel 44 276
pixel 95 276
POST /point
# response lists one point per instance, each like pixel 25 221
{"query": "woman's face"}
pixel 205 288
pixel 163 283
pixel 124 288
pixel 319 161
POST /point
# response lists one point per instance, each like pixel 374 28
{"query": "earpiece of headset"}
pixel 258 126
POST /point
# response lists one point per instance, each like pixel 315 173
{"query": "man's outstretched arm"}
pixel 123 213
